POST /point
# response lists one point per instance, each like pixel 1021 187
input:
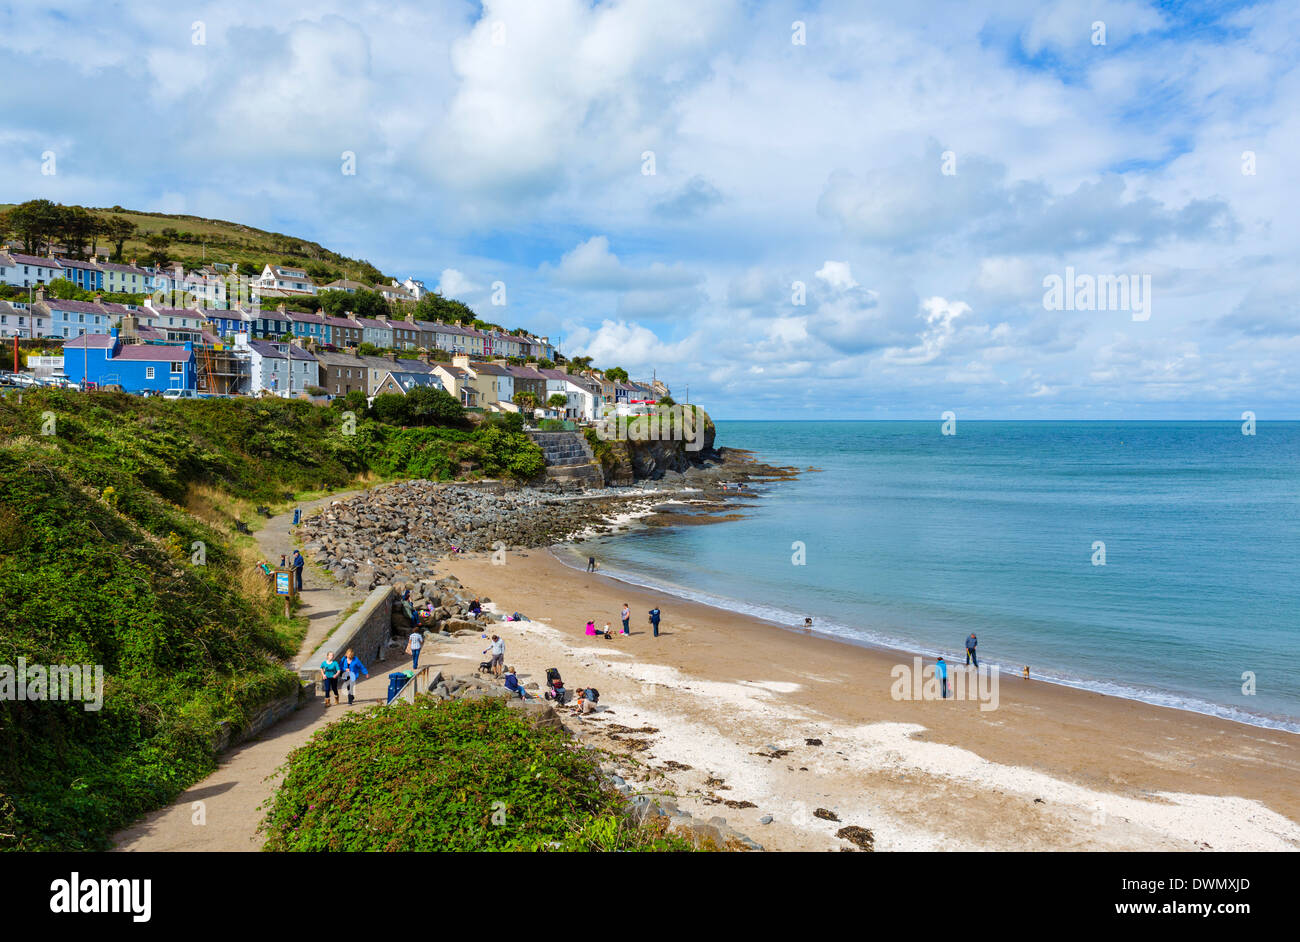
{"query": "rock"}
pixel 766 819
pixel 825 814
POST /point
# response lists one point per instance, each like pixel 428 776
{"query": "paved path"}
pixel 222 812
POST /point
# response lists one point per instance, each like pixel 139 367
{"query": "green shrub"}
pixel 464 775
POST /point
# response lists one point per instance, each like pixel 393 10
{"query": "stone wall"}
pixel 366 631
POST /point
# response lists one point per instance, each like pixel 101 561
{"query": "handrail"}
pixel 412 687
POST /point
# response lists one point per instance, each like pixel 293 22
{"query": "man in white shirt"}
pixel 498 651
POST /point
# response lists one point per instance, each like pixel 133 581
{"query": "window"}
pixel 178 367
pixel 65 331
pixel 148 372
pixel 81 318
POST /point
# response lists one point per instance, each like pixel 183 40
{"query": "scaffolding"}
pixel 218 370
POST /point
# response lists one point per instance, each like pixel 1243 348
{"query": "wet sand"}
pixel 1051 768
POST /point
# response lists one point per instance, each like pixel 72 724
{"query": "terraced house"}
pixel 26 271
pixel 73 318
pixel 126 279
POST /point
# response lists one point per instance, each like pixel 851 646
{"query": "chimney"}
pixel 40 293
pixel 279 308
pixel 501 361
pixel 392 357
pixel 461 360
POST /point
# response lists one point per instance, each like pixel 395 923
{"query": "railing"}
pixel 419 683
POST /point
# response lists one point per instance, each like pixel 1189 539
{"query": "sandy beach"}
pixel 1051 768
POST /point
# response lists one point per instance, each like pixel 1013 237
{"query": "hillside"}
pixel 102 500
pixel 198 240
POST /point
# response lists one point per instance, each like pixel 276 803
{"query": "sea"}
pixel 1158 561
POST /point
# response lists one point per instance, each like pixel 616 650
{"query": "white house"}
pixel 291 280
pixel 15 321
pixel 414 287
pixel 583 395
pixel 28 270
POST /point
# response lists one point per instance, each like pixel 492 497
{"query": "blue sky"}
pixel 919 169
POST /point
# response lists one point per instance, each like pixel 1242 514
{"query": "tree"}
pixel 362 304
pixel 158 244
pixel 434 307
pixel 616 374
pixel 525 400
pixel 558 401
pixel 38 223
pixel 65 290
pixel 666 401
pixel 118 229
pixel 545 364
pixel 77 227
pixel 428 405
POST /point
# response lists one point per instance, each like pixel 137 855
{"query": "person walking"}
pixel 329 671
pixel 591 564
pixel 414 641
pixel 941 671
pixel 970 651
pixel 626 615
pixel 654 620
pixel 352 666
pixel 297 570
pixel 498 650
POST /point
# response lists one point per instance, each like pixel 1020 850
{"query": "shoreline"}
pixel 1051 767
pixel 1187 703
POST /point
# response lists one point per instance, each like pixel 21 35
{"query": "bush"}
pixel 506 453
pixel 465 775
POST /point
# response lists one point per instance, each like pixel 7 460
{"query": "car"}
pixel 181 394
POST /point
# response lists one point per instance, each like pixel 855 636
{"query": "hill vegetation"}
pixel 464 775
pixel 160 238
pixel 104 502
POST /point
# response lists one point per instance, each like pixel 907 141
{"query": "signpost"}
pixel 284 585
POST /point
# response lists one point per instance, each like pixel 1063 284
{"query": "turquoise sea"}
pixel 914 539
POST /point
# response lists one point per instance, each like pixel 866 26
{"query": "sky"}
pixel 797 210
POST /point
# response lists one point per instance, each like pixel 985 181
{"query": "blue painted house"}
pixel 153 367
pixel 86 275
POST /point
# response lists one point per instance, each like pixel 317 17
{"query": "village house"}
pixel 102 359
pixel 283 369
pixel 86 275
pixel 459 382
pixel 24 271
pixel 286 280
pixel 74 318
pixel 403 381
pixel 342 373
pixel 126 279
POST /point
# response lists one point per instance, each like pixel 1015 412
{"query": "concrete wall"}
pixel 365 630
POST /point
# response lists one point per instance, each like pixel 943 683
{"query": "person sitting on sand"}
pixel 585 704
pixel 475 608
pixel 591 627
pixel 608 634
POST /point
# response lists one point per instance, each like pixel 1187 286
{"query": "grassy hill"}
pixel 216 240
pixel 102 499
